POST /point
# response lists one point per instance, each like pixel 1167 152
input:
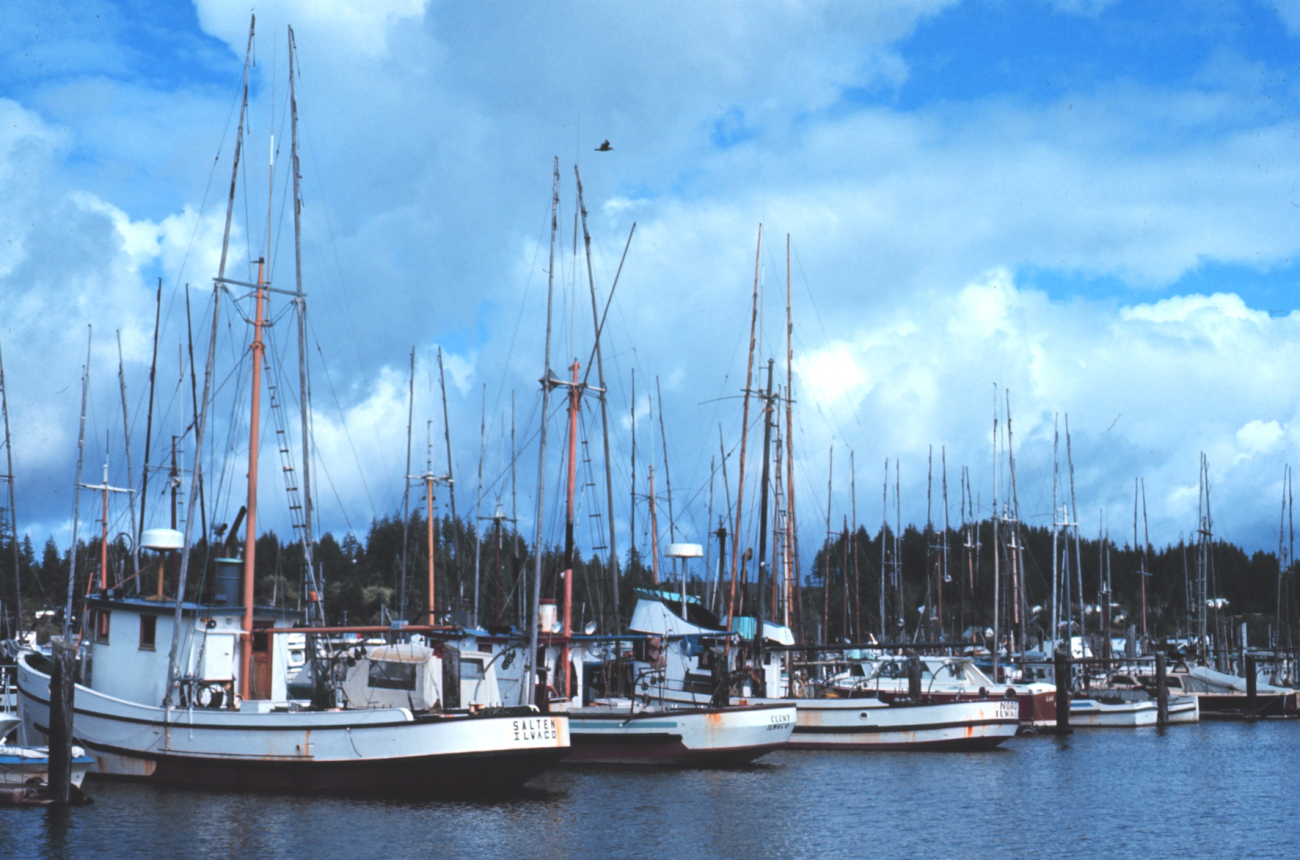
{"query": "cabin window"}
pixel 471 670
pixel 99 625
pixel 148 632
pixel 392 675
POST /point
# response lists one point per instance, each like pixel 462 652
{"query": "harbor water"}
pixel 1213 789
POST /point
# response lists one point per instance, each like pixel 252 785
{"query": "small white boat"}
pixel 25 765
pixel 1184 709
pixel 1105 713
pixel 694 736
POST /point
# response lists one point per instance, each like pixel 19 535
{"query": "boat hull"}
pixel 1091 714
pixel 867 724
pixel 695 737
pixel 389 751
pixel 22 765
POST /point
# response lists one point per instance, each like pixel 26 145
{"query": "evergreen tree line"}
pixel 838 596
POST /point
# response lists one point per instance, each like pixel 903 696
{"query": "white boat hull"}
pixel 1092 714
pixel 678 736
pixel 388 750
pixel 869 724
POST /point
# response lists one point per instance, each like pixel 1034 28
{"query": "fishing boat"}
pixel 686 676
pixel 195 692
pixel 618 733
pixel 945 679
pixel 1110 712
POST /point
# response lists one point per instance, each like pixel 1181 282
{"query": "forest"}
pixel 383 576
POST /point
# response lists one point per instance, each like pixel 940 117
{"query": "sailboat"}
pixel 214 709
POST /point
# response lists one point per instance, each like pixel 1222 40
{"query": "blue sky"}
pixel 1093 205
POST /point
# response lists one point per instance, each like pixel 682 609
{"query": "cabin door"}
pixel 259 682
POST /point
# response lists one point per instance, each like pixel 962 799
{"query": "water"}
pixel 1214 789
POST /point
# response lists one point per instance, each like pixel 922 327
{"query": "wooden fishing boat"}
pixel 692 736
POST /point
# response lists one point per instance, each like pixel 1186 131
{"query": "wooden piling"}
pixel 914 678
pixel 1062 672
pixel 1252 680
pixel 62 691
pixel 450 677
pixel 1162 691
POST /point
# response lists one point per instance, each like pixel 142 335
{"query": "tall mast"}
pixel 632 502
pixel 258 352
pixel 451 481
pixel 1056 528
pixel 1073 521
pixel 130 481
pixel 826 556
pixel 478 501
pixel 791 526
pixel 947 576
pixel 575 392
pixel 531 657
pixel 857 579
pixel 884 529
pixel 668 478
pixel 654 528
pixel 744 436
pixel 1146 571
pixel 13 512
pixel 406 488
pixel 200 421
pixel 300 303
pixel 76 497
pixel 148 426
pixel 997 569
pixel 762 514
pixel 604 410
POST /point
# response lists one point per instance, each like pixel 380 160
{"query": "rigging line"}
pixel 304 127
pixel 820 324
pixel 343 421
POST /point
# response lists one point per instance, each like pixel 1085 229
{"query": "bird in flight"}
pixel 605 147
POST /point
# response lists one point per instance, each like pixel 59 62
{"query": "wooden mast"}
pixel 604 407
pixel 744 436
pixel 451 481
pixel 792 553
pixel 531 657
pixel 13 515
pixel 575 392
pixel 76 498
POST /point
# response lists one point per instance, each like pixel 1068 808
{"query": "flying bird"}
pixel 605 147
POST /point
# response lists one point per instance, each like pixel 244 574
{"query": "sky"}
pixel 1066 208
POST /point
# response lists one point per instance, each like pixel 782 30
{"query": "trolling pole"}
pixel 451 483
pixel 406 491
pixel 148 426
pixel 762 516
pixel 531 663
pixel 130 481
pixel 744 435
pixel 604 406
pixel 76 497
pixel 13 514
pixel 200 422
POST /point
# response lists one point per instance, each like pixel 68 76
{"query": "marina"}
pixel 441 450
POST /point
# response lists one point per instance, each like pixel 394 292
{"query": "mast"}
pixel 13 512
pixel 632 502
pixel 604 408
pixel 406 488
pixel 478 500
pixel 791 527
pixel 744 436
pixel 304 388
pixel 148 427
pixel 575 392
pixel 654 528
pixel 451 482
pixel 1017 557
pixel 200 422
pixel 826 568
pixel 947 576
pixel 1056 527
pixel 130 481
pixel 76 497
pixel 1078 552
pixel 258 352
pixel 884 529
pixel 531 656
pixel 762 514
pixel 668 478
pixel 1146 570
pixel 997 570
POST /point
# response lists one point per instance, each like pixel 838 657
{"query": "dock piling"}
pixel 1252 681
pixel 914 678
pixel 1062 672
pixel 450 677
pixel 1162 691
pixel 62 691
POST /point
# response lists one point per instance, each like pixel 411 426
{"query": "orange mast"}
pixel 575 391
